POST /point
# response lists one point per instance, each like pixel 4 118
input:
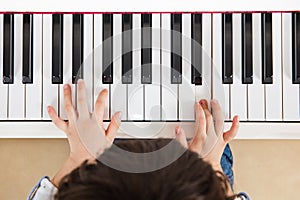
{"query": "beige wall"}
pixel 268 169
pixel 263 168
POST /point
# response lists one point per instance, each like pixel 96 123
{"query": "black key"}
pixel 57 49
pixel 8 46
pixel 107 53
pixel 296 48
pixel 127 49
pixel 176 49
pixel 267 55
pixel 227 49
pixel 77 51
pixel 27 76
pixel 146 75
pixel 196 49
pixel 247 64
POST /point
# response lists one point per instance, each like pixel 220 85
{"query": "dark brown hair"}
pixel 187 178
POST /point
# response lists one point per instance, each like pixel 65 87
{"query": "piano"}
pixel 156 58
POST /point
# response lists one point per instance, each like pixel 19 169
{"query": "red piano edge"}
pixel 175 12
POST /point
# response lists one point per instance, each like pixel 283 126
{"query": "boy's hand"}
pixel 85 131
pixel 214 156
pixel 209 123
pixel 86 134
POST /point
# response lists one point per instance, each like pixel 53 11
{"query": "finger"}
pixel 59 123
pixel 218 116
pixel 68 104
pixel 207 112
pixel 200 117
pixel 231 133
pixel 181 137
pixel 82 105
pixel 200 130
pixel 113 126
pixel 100 105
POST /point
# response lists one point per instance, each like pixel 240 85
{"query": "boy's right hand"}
pixel 212 123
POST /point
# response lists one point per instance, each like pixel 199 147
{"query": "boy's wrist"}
pixel 217 167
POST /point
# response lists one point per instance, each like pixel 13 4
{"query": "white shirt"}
pixel 43 190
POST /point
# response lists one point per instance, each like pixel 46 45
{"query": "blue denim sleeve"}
pixel 227 163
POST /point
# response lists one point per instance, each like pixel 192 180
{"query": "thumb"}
pixel 113 126
pixel 59 123
pixel 231 133
pixel 181 137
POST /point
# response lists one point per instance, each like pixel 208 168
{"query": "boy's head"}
pixel 188 178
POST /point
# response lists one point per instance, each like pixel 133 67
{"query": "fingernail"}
pixel 48 108
pixel 177 130
pixel 65 86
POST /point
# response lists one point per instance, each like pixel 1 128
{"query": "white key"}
pixel 256 99
pixel 118 90
pixel 238 90
pixel 204 91
pixel 88 66
pixel 50 91
pixel 186 94
pixel 135 90
pixel 290 91
pixel 220 91
pixel 98 86
pixel 67 63
pixel 34 90
pixel 274 91
pixel 3 87
pixel 169 91
pixel 152 91
pixel 16 90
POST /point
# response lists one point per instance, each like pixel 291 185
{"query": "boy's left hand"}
pixel 86 134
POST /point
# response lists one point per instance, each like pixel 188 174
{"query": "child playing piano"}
pixel 138 169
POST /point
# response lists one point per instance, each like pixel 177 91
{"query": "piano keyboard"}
pixel 155 65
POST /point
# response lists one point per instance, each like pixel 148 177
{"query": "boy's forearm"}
pixel 66 168
pixel 218 167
